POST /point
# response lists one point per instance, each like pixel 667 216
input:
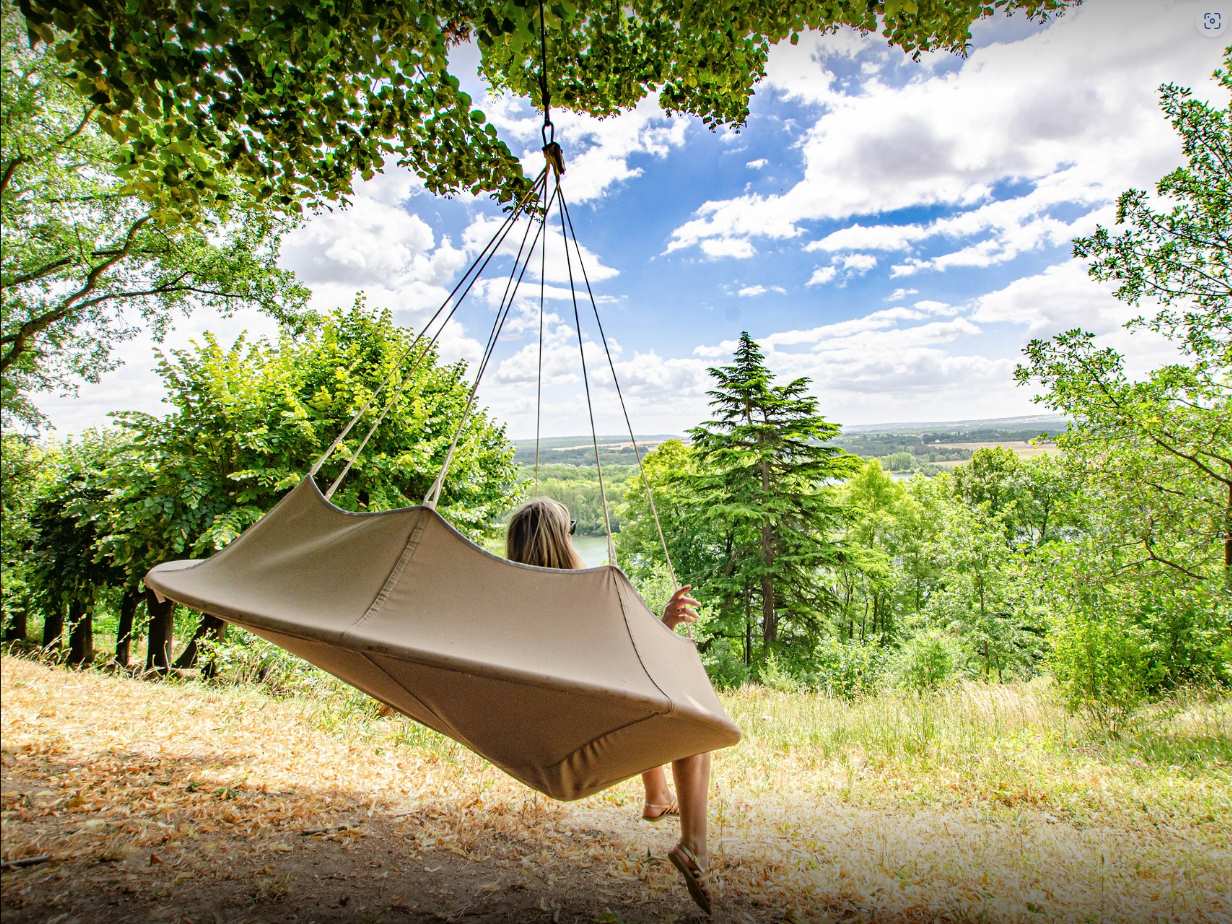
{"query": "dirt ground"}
pixel 191 804
pixel 371 871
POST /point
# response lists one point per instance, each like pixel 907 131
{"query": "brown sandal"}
pixel 652 812
pixel 683 859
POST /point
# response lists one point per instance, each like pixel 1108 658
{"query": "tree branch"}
pixel 17 340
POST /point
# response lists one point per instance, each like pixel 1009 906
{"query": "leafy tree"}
pixel 22 462
pixel 297 99
pixel 84 258
pixel 763 482
pixel 249 421
pixel 64 570
pixel 1156 452
pixel 1151 578
pixel 992 478
pixel 867 575
pixel 980 598
pixel 577 487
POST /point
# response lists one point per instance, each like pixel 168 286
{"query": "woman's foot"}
pixel 693 869
pixel 654 811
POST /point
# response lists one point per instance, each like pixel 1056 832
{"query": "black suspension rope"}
pixel 396 394
pixel 498 325
pixel 489 250
pixel 594 438
pixel 543 263
pixel 543 80
pixel 637 452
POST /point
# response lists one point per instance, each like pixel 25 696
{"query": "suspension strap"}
pixel 543 265
pixel 667 556
pixel 481 262
pixel 594 437
pixel 434 493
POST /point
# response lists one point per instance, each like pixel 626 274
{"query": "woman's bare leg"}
pixel 692 775
pixel 655 782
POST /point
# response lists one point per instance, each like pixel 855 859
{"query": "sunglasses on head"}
pixel 572 527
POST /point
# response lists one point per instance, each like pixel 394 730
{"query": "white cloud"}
pixel 756 290
pixel 868 237
pixel 1069 110
pixel 849 265
pixel 900 363
pixel 757 164
pixel 899 294
pixel 737 248
pixel 859 263
pixel 1061 297
pixel 822 275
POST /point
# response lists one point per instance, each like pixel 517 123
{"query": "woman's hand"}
pixel 680 608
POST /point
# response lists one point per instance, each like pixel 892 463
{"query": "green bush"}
pixel 849 670
pixel 1102 666
pixel 772 672
pixel 926 661
pixel 725 665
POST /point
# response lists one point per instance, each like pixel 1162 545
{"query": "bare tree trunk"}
pixel 53 628
pixel 161 634
pixel 81 634
pixel 124 630
pixel 209 627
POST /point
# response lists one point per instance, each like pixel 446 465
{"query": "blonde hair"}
pixel 539 535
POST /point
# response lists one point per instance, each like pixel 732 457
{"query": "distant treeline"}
pixel 906 450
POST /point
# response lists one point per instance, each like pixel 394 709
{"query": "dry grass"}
pixel 977 804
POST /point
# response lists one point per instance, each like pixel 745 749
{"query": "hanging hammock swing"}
pixel 563 679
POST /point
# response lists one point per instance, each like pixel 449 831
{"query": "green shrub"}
pixel 849 670
pixel 774 673
pixel 926 661
pixel 1102 666
pixel 725 665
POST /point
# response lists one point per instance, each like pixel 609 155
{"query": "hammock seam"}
pixel 404 558
pixel 432 712
pixel 624 615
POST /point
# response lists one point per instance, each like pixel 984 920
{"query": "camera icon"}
pixel 1212 23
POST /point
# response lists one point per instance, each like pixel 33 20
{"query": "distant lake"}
pixel 593 549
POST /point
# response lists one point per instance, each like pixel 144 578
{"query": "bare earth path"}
pixel 184 803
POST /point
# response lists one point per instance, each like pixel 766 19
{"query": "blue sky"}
pixel 893 230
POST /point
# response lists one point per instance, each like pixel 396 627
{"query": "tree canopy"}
pixel 295 99
pixel 86 261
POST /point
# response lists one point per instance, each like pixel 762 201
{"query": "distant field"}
pixel 1022 448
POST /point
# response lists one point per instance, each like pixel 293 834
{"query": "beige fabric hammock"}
pixel 563 679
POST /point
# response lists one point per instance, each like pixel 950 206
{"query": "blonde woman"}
pixel 539 535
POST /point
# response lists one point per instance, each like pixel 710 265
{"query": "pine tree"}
pixel 765 485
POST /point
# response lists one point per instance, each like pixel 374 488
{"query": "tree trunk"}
pixel 160 637
pixel 15 629
pixel 124 630
pixel 53 628
pixel 81 634
pixel 769 618
pixel 748 627
pixel 209 627
pixel 1227 540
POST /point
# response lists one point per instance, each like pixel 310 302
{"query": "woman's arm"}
pixel 680 608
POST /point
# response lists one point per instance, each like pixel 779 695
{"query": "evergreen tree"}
pixel 764 481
